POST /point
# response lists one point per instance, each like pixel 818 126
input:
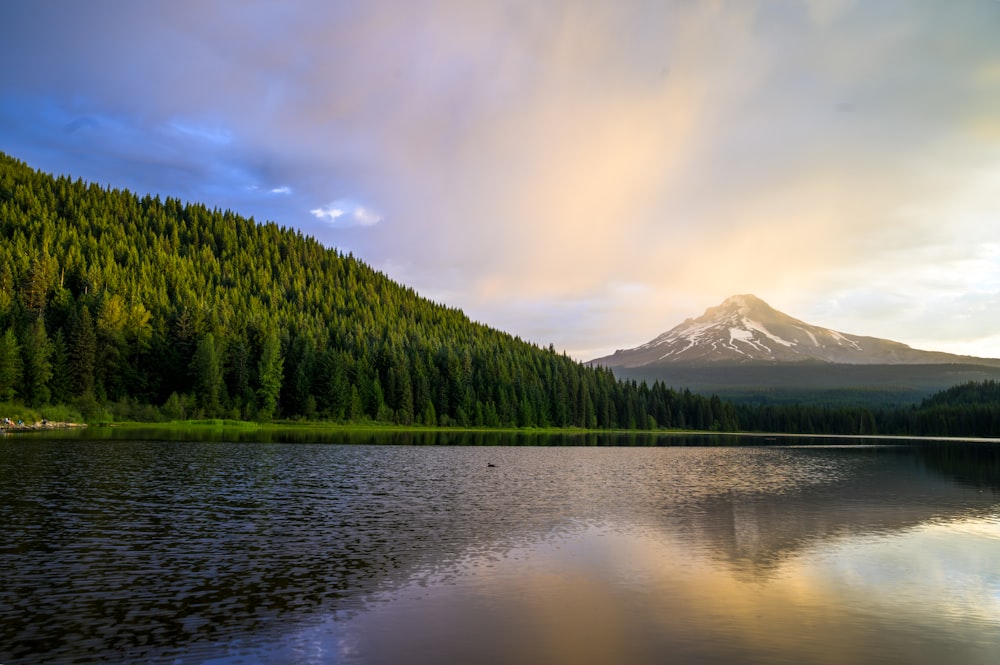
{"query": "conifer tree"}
pixel 82 353
pixel 10 365
pixel 237 372
pixel 269 371
pixel 206 370
pixel 37 354
pixel 59 383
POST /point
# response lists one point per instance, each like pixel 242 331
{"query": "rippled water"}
pixel 241 552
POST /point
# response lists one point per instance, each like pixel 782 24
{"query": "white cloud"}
pixel 344 213
pixel 284 189
pixel 329 213
pixel 366 217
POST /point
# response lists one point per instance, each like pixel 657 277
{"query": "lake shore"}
pixel 39 426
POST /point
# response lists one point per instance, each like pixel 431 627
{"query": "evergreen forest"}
pixel 122 306
pixel 155 308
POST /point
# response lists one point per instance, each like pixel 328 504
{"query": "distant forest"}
pixel 124 307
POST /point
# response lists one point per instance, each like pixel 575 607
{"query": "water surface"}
pixel 221 551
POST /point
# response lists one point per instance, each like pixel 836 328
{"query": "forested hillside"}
pixel 971 409
pixel 154 308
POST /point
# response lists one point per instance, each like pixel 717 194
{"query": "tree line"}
pixel 147 309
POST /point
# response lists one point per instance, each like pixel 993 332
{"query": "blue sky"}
pixel 580 173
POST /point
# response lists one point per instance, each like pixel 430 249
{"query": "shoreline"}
pixel 768 438
pixel 40 426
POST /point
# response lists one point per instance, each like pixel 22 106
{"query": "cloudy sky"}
pixel 581 173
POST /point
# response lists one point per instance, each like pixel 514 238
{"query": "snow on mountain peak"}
pixel 743 302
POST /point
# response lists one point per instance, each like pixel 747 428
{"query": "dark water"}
pixel 241 552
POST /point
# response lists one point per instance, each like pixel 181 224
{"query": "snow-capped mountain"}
pixel 744 328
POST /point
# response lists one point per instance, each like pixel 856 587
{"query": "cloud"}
pixel 345 213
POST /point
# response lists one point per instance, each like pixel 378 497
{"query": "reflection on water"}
pixel 600 596
pixel 222 552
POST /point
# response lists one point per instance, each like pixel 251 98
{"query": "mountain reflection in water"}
pixel 216 552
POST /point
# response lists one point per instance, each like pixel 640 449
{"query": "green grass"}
pixel 58 413
pixel 16 412
pixel 326 426
pixel 102 418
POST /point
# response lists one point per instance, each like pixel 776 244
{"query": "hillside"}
pixel 814 383
pixel 155 306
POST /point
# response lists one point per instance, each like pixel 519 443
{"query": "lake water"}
pixel 226 552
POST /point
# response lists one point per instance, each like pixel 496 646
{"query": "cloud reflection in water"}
pixel 614 593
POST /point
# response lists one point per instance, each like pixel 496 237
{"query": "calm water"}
pixel 231 552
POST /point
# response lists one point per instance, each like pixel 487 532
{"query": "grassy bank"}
pixel 324 426
pixel 116 417
pixel 58 413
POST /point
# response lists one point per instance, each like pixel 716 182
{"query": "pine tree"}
pixel 37 353
pixel 238 372
pixel 82 354
pixel 269 372
pixel 206 371
pixel 59 385
pixel 10 365
pixel 356 410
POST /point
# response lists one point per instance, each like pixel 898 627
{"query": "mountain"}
pixel 745 350
pixel 744 329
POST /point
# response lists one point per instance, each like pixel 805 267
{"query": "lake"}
pixel 330 548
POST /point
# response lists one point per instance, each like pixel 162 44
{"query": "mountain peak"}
pixel 744 301
pixel 744 304
pixel 744 328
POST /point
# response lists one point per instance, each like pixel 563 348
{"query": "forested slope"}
pixel 111 298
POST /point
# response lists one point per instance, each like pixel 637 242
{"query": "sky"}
pixel 584 174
